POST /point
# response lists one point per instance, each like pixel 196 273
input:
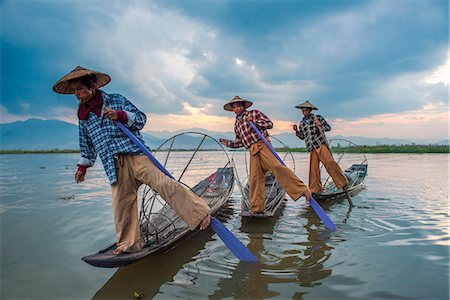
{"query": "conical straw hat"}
pixel 229 106
pixel 62 86
pixel 306 104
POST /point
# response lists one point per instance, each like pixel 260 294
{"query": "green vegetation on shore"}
pixel 360 149
pixel 387 149
pixel 39 151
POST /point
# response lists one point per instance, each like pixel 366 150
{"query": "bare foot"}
pixel 117 251
pixel 205 223
pixel 307 194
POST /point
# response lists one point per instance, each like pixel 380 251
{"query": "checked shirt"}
pixel 100 136
pixel 309 132
pixel 245 135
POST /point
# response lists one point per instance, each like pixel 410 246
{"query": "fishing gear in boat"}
pixel 319 211
pixel 355 168
pixel 200 163
pixel 275 194
pixel 345 189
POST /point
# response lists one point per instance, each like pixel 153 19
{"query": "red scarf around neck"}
pixel 94 105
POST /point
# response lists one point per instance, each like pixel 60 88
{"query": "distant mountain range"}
pixel 36 134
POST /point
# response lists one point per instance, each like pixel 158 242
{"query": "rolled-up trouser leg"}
pixel 314 172
pixel 257 181
pixel 190 207
pixel 293 186
pixel 125 207
pixel 326 157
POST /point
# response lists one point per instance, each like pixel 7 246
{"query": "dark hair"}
pixel 89 81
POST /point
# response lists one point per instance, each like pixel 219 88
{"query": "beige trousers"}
pixel 324 155
pixel 261 161
pixel 132 170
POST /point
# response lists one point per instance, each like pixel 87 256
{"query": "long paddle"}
pixel 232 242
pixel 322 133
pixel 319 211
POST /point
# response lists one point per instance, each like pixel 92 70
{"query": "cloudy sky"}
pixel 374 68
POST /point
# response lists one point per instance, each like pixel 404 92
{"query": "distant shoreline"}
pixel 54 151
pixel 407 149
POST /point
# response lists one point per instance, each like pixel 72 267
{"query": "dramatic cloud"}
pixel 183 60
pixel 440 75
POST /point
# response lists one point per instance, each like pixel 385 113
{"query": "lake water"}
pixel 393 244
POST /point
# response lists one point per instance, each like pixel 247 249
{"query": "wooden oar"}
pixel 242 253
pixel 232 242
pixel 326 142
pixel 319 211
pixel 348 198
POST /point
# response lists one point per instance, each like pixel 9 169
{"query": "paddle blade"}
pixel 322 215
pixel 241 252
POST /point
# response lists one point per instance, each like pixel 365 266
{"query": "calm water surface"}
pixel 393 244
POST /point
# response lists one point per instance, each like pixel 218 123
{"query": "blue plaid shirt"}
pixel 309 132
pixel 100 136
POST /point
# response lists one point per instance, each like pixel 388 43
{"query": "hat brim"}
pixel 229 106
pixel 62 85
pixel 312 108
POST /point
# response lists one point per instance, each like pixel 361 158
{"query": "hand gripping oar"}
pixel 227 237
pixel 322 133
pixel 319 211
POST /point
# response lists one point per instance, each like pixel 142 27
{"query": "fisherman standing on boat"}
pixel 261 158
pixel 124 163
pixel 311 129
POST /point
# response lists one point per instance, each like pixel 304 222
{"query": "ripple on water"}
pixel 399 226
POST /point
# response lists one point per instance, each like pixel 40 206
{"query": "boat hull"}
pixel 356 175
pixel 214 192
pixel 275 200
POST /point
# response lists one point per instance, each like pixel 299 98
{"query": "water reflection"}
pixel 311 268
pixel 147 276
pixel 246 280
pixel 299 259
pixel 400 220
pixel 328 205
pixel 301 262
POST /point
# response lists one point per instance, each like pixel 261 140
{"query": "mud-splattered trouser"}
pixel 132 171
pixel 261 161
pixel 323 154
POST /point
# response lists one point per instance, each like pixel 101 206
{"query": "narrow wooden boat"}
pixel 275 195
pixel 348 154
pixel 165 229
pixel 161 227
pixel 275 199
pixel 355 175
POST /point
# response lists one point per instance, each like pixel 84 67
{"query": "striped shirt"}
pixel 245 135
pixel 100 136
pixel 308 131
